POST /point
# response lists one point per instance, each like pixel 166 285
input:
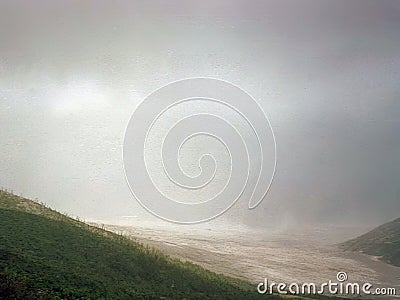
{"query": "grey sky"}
pixel 326 72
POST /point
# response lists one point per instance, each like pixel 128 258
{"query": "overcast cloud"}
pixel 326 72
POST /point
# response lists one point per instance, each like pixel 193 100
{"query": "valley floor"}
pixel 278 257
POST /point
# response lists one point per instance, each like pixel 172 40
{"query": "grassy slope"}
pixel 383 241
pixel 45 255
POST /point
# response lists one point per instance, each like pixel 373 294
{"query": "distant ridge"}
pixel 383 241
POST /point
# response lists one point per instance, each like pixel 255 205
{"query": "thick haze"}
pixel 326 72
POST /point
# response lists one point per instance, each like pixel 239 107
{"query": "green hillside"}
pixel 383 241
pixel 46 255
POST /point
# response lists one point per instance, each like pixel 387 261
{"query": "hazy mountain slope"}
pixel 45 255
pixel 383 241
